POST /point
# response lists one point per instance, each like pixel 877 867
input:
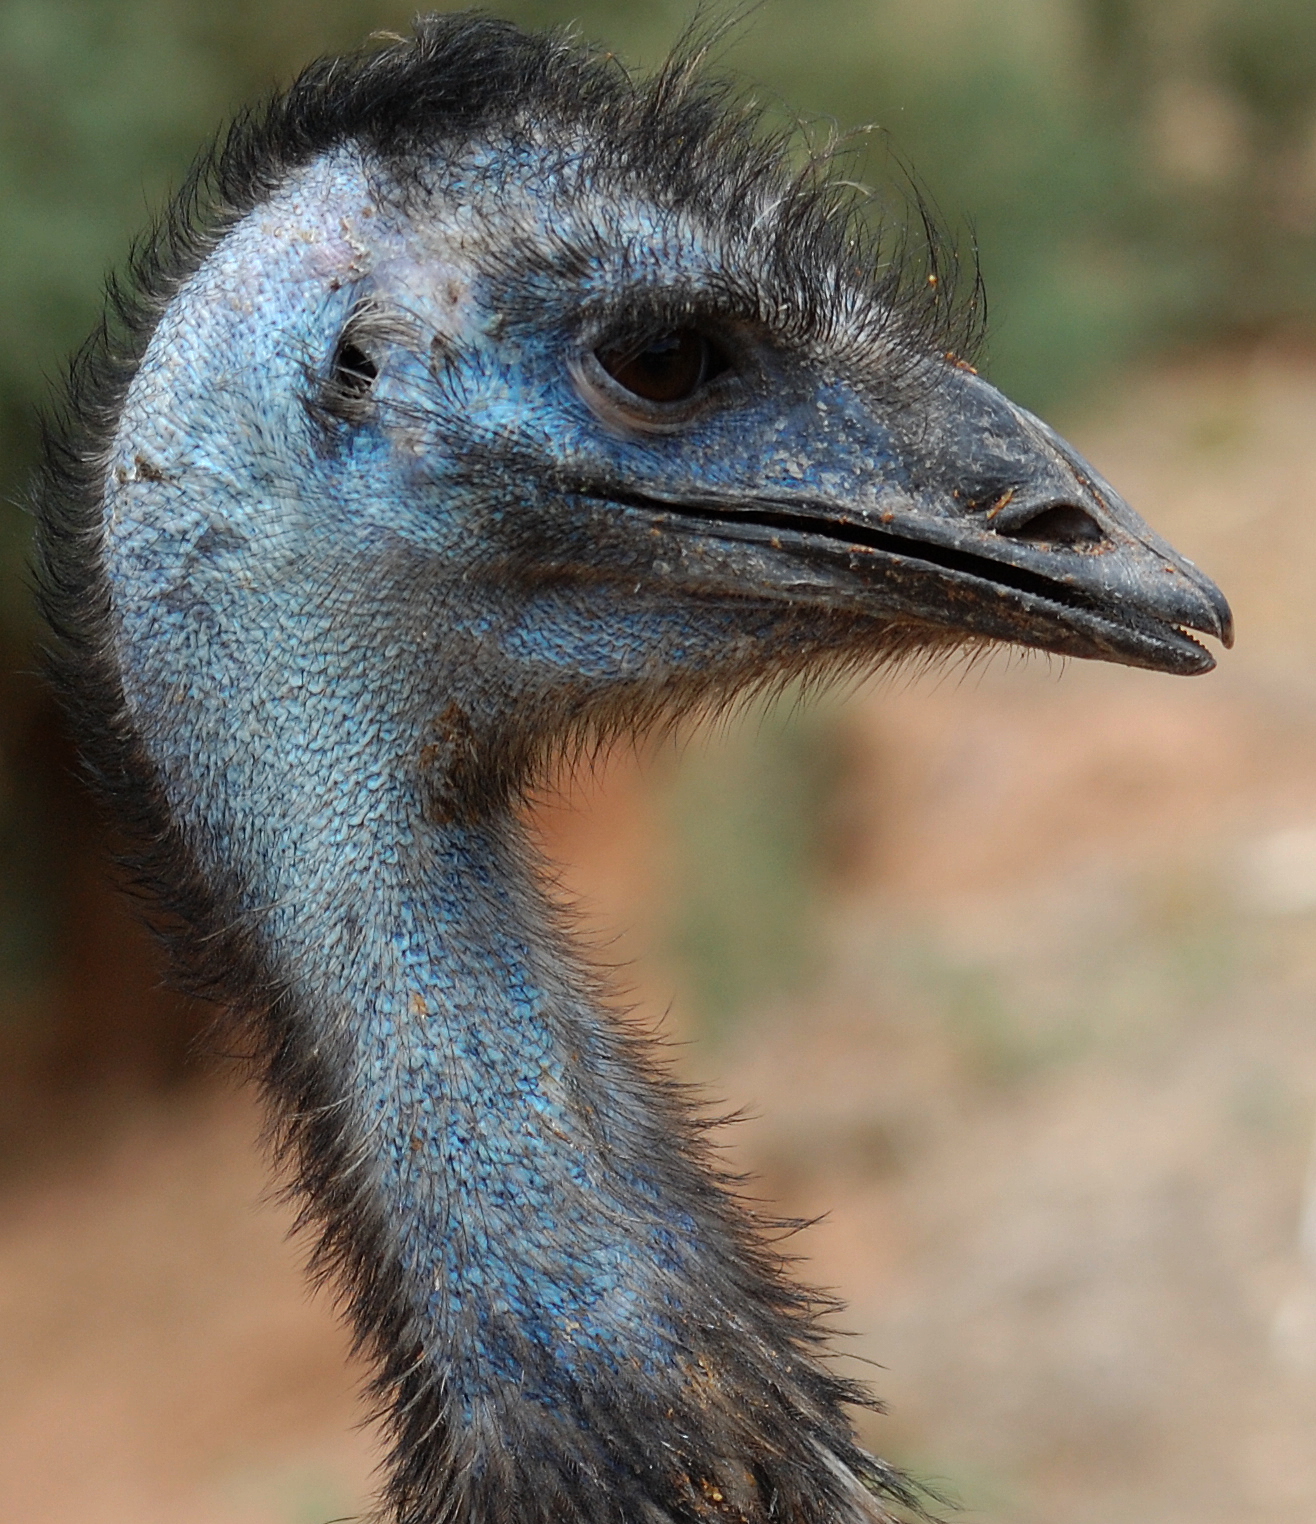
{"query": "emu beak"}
pixel 967 513
pixel 1031 545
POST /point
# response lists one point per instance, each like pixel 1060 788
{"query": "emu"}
pixel 475 401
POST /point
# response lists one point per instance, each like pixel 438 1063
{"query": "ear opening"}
pixel 343 392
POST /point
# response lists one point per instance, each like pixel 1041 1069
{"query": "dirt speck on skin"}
pixel 1055 1092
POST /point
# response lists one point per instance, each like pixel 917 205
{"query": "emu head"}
pixel 571 402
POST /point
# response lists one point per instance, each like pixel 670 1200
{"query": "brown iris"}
pixel 669 368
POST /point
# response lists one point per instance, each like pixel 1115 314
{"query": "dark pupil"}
pixel 668 369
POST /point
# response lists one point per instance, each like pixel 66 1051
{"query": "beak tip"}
pixel 1216 618
pixel 1224 618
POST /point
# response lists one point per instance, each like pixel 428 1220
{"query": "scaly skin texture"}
pixel 359 534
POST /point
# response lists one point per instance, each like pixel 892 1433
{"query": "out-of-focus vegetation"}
pixel 759 834
pixel 1137 174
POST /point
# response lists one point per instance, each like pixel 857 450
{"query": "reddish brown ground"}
pixel 1056 1089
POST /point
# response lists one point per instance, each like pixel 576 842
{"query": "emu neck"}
pixel 481 1080
pixel 491 1119
pixel 553 1284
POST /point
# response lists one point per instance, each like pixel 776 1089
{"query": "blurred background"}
pixel 1013 970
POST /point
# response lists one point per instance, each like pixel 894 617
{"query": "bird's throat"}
pixel 535 1246
pixel 545 1266
pixel 510 1135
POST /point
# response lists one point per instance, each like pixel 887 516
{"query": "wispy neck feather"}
pixel 571 1317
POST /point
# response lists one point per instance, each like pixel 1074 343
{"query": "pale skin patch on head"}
pixel 263 294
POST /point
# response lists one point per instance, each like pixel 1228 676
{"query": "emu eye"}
pixel 669 368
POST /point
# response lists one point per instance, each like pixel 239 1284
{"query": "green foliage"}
pixel 1267 55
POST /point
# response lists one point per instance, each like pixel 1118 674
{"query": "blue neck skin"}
pixel 506 1135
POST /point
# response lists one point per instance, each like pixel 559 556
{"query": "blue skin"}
pixel 316 636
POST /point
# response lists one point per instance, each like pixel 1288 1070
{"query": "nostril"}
pixel 1061 524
